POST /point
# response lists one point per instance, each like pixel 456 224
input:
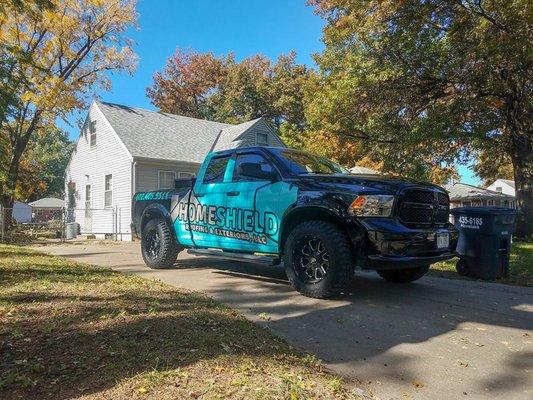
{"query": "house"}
pixel 21 212
pixel 46 209
pixel 505 186
pixel 464 195
pixel 363 171
pixel 122 150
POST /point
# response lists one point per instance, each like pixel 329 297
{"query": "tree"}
pixel 428 83
pixel 222 89
pixel 42 167
pixel 491 165
pixel 55 55
pixel 186 83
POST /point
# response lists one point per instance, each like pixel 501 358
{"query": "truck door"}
pixel 197 223
pixel 253 207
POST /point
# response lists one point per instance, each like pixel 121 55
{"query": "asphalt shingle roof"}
pixel 363 171
pixel 461 191
pixel 47 202
pixel 509 182
pixel 162 136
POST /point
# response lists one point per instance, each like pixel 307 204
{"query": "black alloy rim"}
pixel 153 244
pixel 311 259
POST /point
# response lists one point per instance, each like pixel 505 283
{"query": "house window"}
pixel 261 139
pixel 166 179
pixel 490 202
pixel 499 189
pixel 467 203
pixel 92 133
pixel 108 191
pixel 185 175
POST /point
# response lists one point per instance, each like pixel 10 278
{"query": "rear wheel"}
pixel 158 246
pixel 318 259
pixel 404 275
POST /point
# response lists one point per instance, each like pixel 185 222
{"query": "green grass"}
pixel 520 266
pixel 73 330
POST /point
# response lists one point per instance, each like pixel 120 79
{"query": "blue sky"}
pixel 244 27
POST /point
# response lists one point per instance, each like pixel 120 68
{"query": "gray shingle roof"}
pixel 363 171
pixel 231 136
pixel 509 182
pixel 463 191
pixel 162 136
pixel 47 202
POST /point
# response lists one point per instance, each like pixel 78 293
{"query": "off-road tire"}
pixel 168 250
pixel 337 245
pixel 405 275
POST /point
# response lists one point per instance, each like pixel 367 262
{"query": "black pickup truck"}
pixel 267 204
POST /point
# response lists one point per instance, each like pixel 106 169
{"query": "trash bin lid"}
pixel 483 211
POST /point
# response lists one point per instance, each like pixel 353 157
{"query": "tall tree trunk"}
pixel 522 156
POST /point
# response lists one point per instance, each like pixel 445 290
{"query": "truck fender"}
pixel 298 214
pixel 156 210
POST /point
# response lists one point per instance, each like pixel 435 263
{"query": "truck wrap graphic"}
pixel 248 223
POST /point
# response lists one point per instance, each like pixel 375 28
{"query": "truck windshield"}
pixel 302 163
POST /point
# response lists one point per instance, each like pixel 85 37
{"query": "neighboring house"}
pixel 21 212
pixel 363 171
pixel 122 150
pixel 46 209
pixel 464 195
pixel 504 186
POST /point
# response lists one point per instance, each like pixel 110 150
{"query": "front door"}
pixel 198 225
pixel 258 205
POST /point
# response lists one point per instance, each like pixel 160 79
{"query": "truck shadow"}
pixel 369 331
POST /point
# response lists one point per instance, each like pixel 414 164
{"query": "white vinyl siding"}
pixel 147 173
pixel 255 136
pixel 89 166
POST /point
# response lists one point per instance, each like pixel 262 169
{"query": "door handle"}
pixel 199 194
pixel 233 193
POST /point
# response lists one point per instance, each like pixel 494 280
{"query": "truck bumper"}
pixel 383 262
pixel 391 245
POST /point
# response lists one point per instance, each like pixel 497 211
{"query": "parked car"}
pixel 267 204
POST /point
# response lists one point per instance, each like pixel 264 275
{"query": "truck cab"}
pixel 278 204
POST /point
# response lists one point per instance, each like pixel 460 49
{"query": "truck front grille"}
pixel 424 208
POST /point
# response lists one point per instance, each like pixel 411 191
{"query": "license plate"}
pixel 443 240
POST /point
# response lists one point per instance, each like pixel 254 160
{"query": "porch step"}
pixel 227 255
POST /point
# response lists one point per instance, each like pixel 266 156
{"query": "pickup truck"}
pixel 268 205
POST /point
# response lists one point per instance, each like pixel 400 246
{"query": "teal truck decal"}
pixel 278 203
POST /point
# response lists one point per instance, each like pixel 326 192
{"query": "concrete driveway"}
pixel 433 339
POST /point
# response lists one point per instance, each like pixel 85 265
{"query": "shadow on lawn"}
pixel 61 345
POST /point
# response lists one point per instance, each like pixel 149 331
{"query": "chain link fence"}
pixel 23 225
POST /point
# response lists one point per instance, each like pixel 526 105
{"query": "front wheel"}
pixel 158 246
pixel 403 275
pixel 318 259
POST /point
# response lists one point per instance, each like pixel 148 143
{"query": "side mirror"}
pixel 254 170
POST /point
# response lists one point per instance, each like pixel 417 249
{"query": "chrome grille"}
pixel 421 208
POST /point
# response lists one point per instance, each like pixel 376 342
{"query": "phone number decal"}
pixel 470 222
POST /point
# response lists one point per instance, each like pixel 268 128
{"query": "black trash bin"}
pixel 484 240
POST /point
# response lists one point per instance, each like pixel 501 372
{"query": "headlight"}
pixel 372 206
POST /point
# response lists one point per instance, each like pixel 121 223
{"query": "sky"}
pixel 242 27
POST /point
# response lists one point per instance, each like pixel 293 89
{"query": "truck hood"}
pixel 362 183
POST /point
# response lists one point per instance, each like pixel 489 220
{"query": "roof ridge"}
pixel 169 115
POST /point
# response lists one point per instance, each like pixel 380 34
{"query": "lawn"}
pixel 73 330
pixel 520 266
